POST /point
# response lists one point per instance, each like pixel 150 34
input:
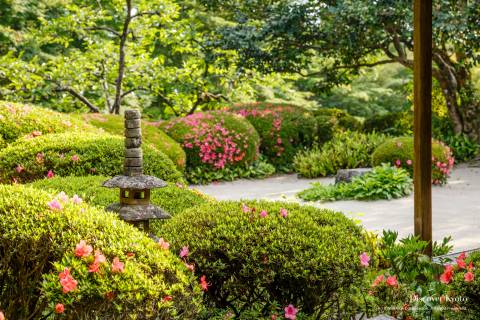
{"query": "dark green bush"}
pixel 214 140
pixel 339 118
pixel 150 133
pixel 77 155
pixel 284 129
pixel 37 242
pixel 345 150
pixel 400 152
pixel 18 120
pixel 305 257
pixel 385 123
pixel 383 182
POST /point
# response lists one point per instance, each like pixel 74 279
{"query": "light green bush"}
pixel 114 124
pixel 305 257
pixel 383 182
pixel 345 150
pixel 77 155
pixel 37 242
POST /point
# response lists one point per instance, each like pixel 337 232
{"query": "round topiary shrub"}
pixel 18 120
pixel 400 153
pixel 263 256
pixel 284 129
pixel 64 259
pixel 71 154
pixel 214 140
pixel 151 134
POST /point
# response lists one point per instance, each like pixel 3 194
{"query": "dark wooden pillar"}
pixel 423 119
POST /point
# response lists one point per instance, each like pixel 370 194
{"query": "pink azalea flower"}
pixel 59 308
pixel 94 267
pixel 283 212
pixel 99 257
pixel 245 208
pixel 76 199
pixel 36 133
pixel 39 157
pixel 378 280
pixel 398 162
pixel 163 244
pixel 82 249
pixel 55 205
pixel 67 282
pixel 364 259
pixel 184 252
pixel 461 261
pixel 203 283
pixel 409 162
pixel 190 267
pixel 291 312
pixel 469 276
pixel 2 316
pixel 263 214
pixel 392 281
pixel 75 158
pixel 50 174
pixel 19 168
pixel 62 196
pixel 117 266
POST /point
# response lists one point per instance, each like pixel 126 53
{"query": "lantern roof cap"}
pixel 135 182
pixel 138 212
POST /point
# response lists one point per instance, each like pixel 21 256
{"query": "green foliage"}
pixel 214 140
pixel 400 152
pixel 18 120
pixel 345 150
pixel 463 148
pixel 38 242
pixel 389 123
pixel 284 129
pixel 259 169
pixel 305 258
pixel 469 291
pixel 383 182
pixel 340 119
pixel 77 155
pixel 150 134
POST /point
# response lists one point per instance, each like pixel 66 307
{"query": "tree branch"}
pixel 353 66
pixel 105 28
pixel 133 90
pixel 80 97
pixel 146 13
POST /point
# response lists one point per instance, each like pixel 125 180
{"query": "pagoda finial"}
pixel 133 163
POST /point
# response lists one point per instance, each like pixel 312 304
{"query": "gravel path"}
pixel 456 206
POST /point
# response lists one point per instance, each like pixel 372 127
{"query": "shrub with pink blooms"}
pixel 214 140
pixel 260 257
pixel 71 154
pixel 64 259
pixel 400 153
pixel 466 283
pixel 284 129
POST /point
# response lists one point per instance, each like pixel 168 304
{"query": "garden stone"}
pixel 346 175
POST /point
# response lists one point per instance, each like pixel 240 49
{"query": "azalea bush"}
pixel 19 120
pixel 76 155
pixel 400 152
pixel 260 257
pixel 465 283
pixel 151 134
pixel 346 150
pixel 384 182
pixel 214 140
pixel 64 259
pixel 284 129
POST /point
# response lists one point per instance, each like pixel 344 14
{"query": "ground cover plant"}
pixel 384 182
pixel 346 150
pixel 150 134
pixel 77 155
pixel 260 257
pixel 214 140
pixel 399 152
pixel 284 129
pixel 64 259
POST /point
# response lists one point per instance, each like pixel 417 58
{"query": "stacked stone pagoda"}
pixel 134 206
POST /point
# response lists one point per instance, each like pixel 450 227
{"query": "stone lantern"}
pixel 134 206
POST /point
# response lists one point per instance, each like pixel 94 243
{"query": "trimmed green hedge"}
pixel 38 242
pixel 304 257
pixel 214 140
pixel 340 119
pixel 150 133
pixel 400 152
pixel 284 129
pixel 77 155
pixel 18 120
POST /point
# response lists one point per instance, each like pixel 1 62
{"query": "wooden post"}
pixel 423 120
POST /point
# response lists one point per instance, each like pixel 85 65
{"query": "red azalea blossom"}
pixel 392 281
pixel 461 261
pixel 378 280
pixel 59 308
pixel 110 295
pixel 117 266
pixel 447 274
pixel 50 174
pixel 469 276
pixel 2 316
pixel 94 267
pixel 167 298
pixel 82 249
pixel 203 283
pixel 75 158
pixel 291 312
pixel 274 317
pixel 66 281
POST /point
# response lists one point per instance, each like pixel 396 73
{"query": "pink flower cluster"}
pixel 216 145
pixel 448 272
pixel 61 199
pixel 263 213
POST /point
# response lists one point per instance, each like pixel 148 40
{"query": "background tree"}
pixel 343 36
